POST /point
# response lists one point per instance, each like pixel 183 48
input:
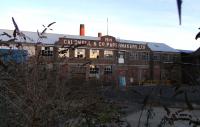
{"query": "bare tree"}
pixel 34 94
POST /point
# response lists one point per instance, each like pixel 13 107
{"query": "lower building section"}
pixel 119 75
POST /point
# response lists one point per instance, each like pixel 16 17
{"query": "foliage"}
pixel 35 94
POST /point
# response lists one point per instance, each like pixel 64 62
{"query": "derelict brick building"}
pixel 107 58
pixel 112 60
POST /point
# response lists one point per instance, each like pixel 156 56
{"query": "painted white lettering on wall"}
pixel 107 39
pixel 102 44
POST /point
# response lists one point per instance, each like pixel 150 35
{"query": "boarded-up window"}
pixel 121 56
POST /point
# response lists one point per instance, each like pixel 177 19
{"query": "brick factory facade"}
pixel 110 60
pixel 107 59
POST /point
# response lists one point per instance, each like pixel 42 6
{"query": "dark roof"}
pixel 185 51
pixel 197 52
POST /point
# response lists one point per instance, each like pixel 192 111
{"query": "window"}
pixel 134 55
pixel 108 70
pixel 145 56
pixel 108 54
pixel 94 53
pixel 171 58
pixel 94 69
pixel 121 56
pixel 174 58
pixel 166 58
pixel 74 69
pixel 63 52
pixel 80 53
pixel 156 57
pixel 47 51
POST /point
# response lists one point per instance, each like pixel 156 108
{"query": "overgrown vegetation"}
pixel 34 94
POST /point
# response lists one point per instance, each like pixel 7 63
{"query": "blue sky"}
pixel 139 20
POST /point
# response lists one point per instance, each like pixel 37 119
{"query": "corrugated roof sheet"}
pixel 82 37
pixel 32 37
pixel 51 37
pixel 161 47
pixel 158 47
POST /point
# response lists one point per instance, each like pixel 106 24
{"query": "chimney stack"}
pixel 99 34
pixel 82 30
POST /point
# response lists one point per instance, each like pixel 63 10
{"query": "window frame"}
pixel 47 50
pixel 106 55
pixel 156 57
pixel 134 55
pixel 77 55
pixel 94 69
pixel 93 56
pixel 63 55
pixel 108 69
